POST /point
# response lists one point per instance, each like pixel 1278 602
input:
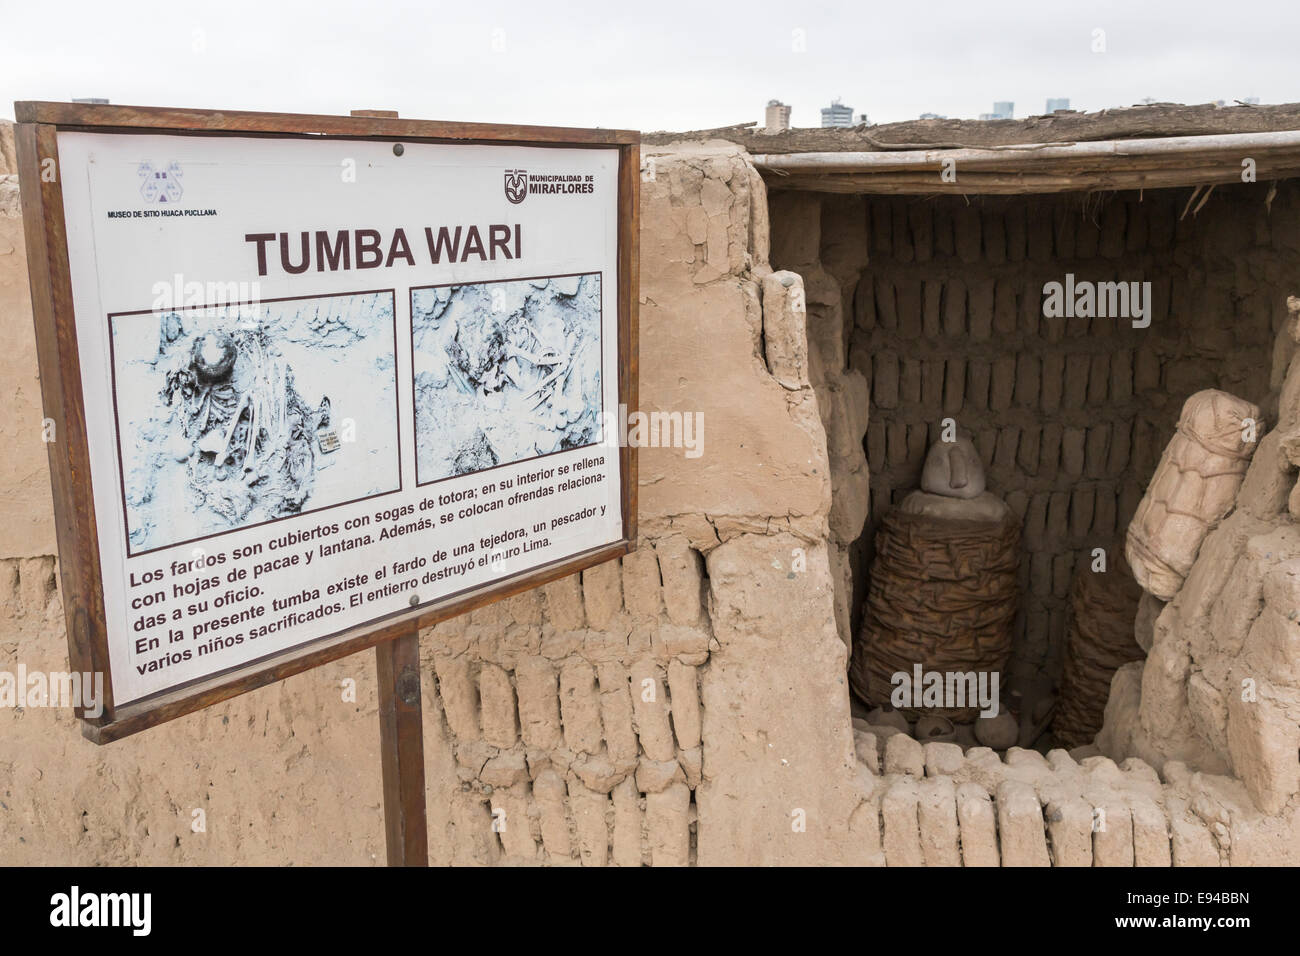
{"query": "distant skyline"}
pixel 671 65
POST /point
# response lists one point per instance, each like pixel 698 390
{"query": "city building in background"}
pixel 1002 109
pixel 837 114
pixel 777 116
pixel 1057 103
pixel 932 116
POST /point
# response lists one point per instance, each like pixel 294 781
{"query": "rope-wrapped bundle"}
pixel 1193 487
pixel 1099 640
pixel 943 594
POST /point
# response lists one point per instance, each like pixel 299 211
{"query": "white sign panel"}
pixel 330 381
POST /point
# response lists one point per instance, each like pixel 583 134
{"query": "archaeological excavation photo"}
pixel 227 418
pixel 407 546
pixel 504 372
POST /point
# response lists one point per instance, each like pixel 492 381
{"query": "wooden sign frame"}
pixel 60 372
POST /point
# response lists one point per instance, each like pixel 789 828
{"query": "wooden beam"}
pixel 83 115
pixel 401 750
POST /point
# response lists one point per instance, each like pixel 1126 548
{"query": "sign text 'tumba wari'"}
pixel 326 251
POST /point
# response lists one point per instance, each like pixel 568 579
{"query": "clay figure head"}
pixel 953 469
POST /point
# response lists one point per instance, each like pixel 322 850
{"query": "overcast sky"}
pixel 650 65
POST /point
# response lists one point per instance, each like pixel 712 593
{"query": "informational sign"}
pixel 328 385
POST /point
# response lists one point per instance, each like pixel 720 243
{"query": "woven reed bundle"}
pixel 1099 640
pixel 943 594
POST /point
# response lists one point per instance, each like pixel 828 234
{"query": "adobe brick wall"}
pixel 942 306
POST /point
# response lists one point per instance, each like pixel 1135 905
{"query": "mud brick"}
pixel 1035 527
pixel 909 308
pixel 1087 237
pixel 902 238
pixel 1022 832
pixel 1027 379
pixel 966 234
pixel 977 384
pixel 1051 329
pixel 1004 308
pixel 884 379
pixel 1145 448
pixel 896 440
pixel 909 383
pixel 1040 574
pixel 1037 626
pixel 932 308
pixel 944 243
pixel 1039 231
pixel 1099 377
pixel 1112 845
pixel 1062 573
pixel 1135 237
pixel 1053 380
pixel 1003 383
pixel 1056 630
pixel 1114 218
pixel 1064 223
pixel 1058 515
pixel 1076 382
pixel 1129 496
pixel 1120 443
pixel 1004 454
pixel 876 444
pixel 1098 444
pixel 860 357
pixel 1103 513
pixel 1082 500
pixel 954 308
pixel 932 384
pixel 980 298
pixel 886 307
pixel 1182 299
pixel 978 826
pixel 880 500
pixel 1121 376
pixel 918 443
pixel 1049 453
pixel 920 217
pixel 954 385
pixel 1161 300
pixel 1146 372
pixel 986 440
pixel 1072 452
pixel 1076 327
pixel 1160 226
pixel 1027 454
pixel 1016 229
pixel 882 229
pixel 1030 306
pixel 1018 502
pixel 864 303
pixel 995 237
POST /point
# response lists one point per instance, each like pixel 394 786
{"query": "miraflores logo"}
pixel 952 689
pixel 161 185
pixel 516 185
pixel 75 908
pixel 520 184
pixel 52 689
